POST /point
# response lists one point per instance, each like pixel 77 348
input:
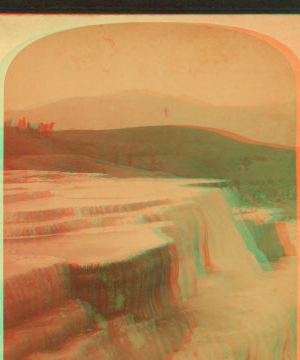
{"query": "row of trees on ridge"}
pixel 26 125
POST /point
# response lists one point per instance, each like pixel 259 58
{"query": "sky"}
pixel 15 29
pixel 214 65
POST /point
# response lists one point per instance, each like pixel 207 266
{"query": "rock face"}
pixel 141 269
pixel 274 236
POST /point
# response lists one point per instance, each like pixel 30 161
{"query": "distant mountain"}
pixel 142 108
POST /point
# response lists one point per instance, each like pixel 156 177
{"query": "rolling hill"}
pixel 154 135
pixel 174 150
pixel 141 108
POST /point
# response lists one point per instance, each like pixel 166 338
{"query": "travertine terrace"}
pixel 107 268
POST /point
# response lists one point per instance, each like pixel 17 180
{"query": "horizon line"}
pixel 183 97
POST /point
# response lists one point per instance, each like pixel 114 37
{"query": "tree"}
pixel 8 123
pixel 41 127
pixel 22 123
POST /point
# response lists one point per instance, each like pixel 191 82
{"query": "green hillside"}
pixel 267 172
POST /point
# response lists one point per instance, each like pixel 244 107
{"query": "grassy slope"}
pixel 178 151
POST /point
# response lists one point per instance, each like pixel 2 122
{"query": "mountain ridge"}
pixel 135 108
